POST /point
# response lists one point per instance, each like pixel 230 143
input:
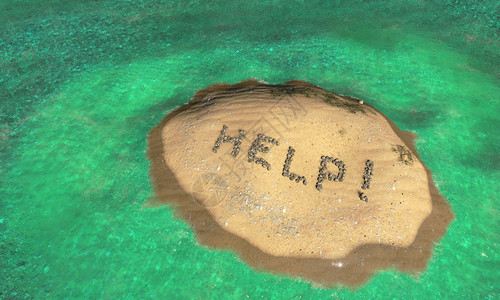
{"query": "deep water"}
pixel 82 83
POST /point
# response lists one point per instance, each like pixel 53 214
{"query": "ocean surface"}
pixel 83 82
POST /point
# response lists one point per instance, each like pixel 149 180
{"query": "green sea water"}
pixel 83 82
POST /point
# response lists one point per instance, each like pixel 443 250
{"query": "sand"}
pixel 298 180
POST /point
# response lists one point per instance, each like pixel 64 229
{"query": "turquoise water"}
pixel 81 84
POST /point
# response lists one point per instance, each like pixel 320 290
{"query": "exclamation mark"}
pixel 367 178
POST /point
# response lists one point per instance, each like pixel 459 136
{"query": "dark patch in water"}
pixel 414 118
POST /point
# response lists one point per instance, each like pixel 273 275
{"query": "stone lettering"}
pixel 258 146
pixel 286 168
pixel 223 138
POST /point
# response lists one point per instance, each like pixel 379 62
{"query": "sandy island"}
pixel 298 181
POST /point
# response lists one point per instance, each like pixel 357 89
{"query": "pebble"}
pixel 363 197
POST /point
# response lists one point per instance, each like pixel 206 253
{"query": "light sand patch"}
pixel 291 173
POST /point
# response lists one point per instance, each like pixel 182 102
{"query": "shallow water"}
pixel 82 84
